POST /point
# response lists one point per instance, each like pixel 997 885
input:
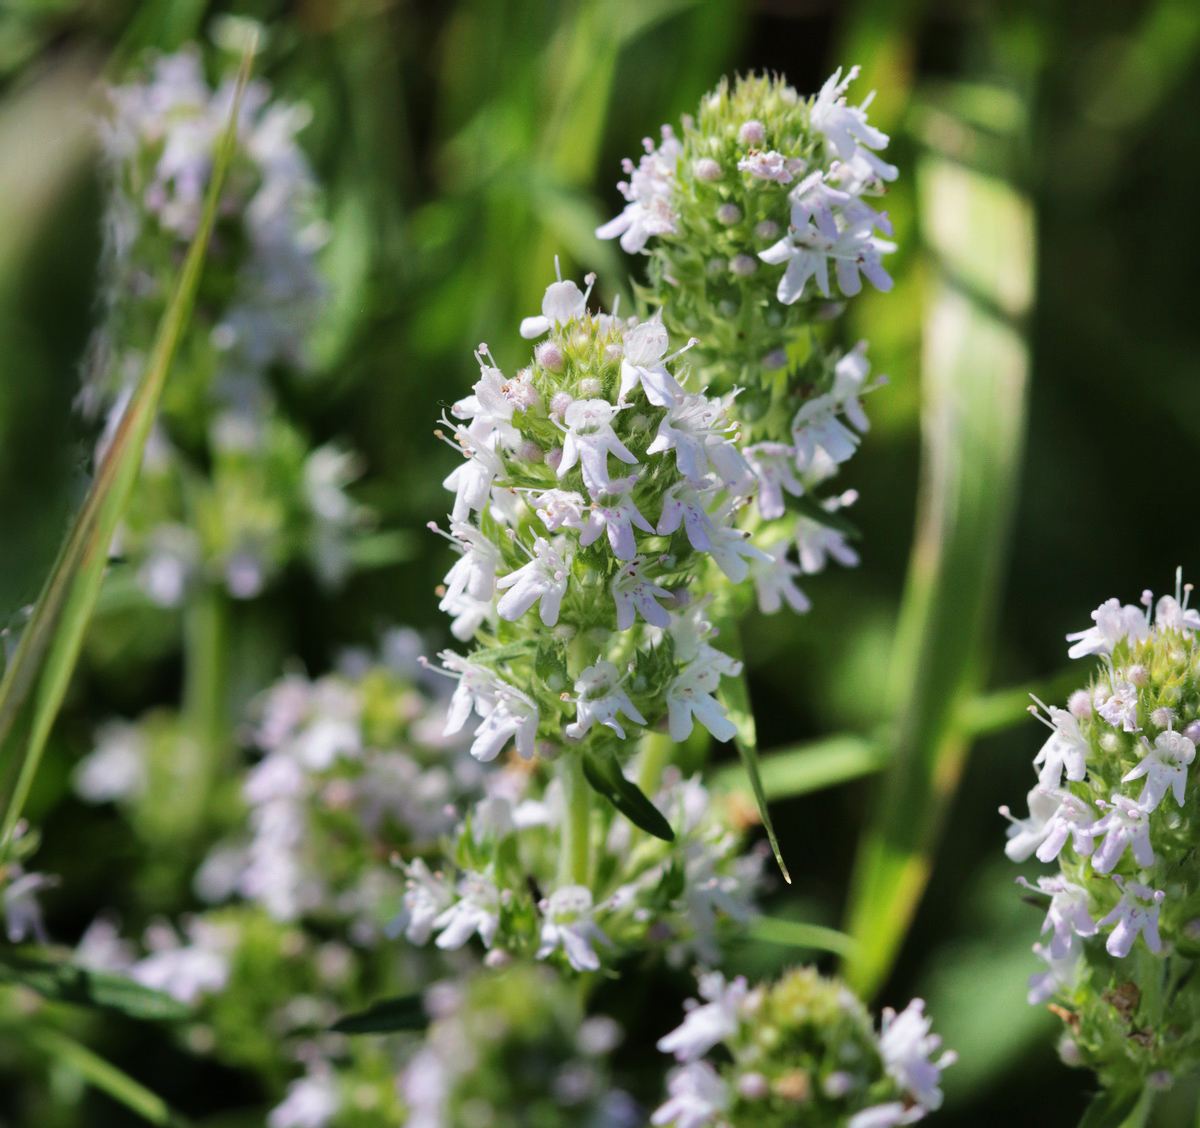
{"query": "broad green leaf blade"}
pixel 734 694
pixel 979 231
pixel 799 934
pixel 105 1076
pixel 1112 1108
pixel 405 1012
pixel 603 772
pixel 36 679
pixel 68 983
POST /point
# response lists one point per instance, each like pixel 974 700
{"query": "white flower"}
pixel 1066 749
pixel 770 166
pixel 1137 911
pixel 476 911
pixel 186 971
pixel 589 440
pixel 22 913
pixel 733 551
pixel 613 511
pixel 634 593
pixel 1120 707
pixel 816 427
pixel 906 1046
pixel 559 508
pixel 690 695
pixel 472 480
pixel 648 191
pixel 116 768
pixel 1114 624
pixel 567 923
pixel 1170 614
pixel 775 581
pixel 706 1025
pixel 772 466
pixel 888 1115
pixel 850 381
pixel 311 1102
pixel 1060 972
pixel 601 698
pixel 645 363
pixel 1165 767
pixel 474 572
pixel 1068 913
pixel 689 428
pixel 1073 819
pixel 846 127
pixel 684 502
pixel 697 1097
pixel 1126 824
pixel 543 580
pixel 808 247
pixel 816 541
pixel 1026 835
pixel 428 895
pixel 564 301
pixel 512 716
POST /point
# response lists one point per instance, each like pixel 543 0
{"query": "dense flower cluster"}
pixel 1113 805
pixel 231 491
pixel 802 1050
pixel 595 494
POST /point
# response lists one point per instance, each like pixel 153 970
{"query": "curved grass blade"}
pixel 65 982
pixel 36 679
pixel 799 934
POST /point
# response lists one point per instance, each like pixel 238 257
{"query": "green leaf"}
pixel 603 772
pixel 36 679
pixel 735 696
pixel 65 982
pixel 788 772
pixel 800 934
pixel 1110 1108
pixel 405 1012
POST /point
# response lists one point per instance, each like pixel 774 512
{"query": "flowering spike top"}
pixel 1117 809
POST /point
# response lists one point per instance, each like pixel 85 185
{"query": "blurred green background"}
pixel 1048 156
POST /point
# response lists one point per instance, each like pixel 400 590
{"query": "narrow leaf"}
pixel 406 1012
pixel 603 772
pixel 36 679
pixel 1110 1108
pixel 735 696
pixel 788 772
pixel 799 934
pixel 68 983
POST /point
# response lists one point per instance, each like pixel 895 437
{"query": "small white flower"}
pixel 1137 911
pixel 1060 972
pixel 186 971
pixel 1114 624
pixel 116 768
pixel 734 552
pixel 614 512
pixel 590 439
pixel 648 191
pixel 568 923
pixel 889 1115
pixel 772 466
pixel 707 1024
pixel 1165 768
pixel 476 911
pixel 601 698
pixel 311 1102
pixel 1126 824
pixel 684 503
pixel 543 580
pixel 564 301
pixel 1170 614
pixel 1026 835
pixel 428 896
pixel 634 593
pixel 1120 707
pixel 690 695
pixel 1066 749
pixel 559 509
pixel 770 166
pixel 817 427
pixel 775 581
pixel 688 428
pixel 474 572
pixel 472 480
pixel 1068 914
pixel 697 1098
pixel 645 363
pixel 809 247
pixel 512 716
pixel 846 127
pixel 18 900
pixel 906 1046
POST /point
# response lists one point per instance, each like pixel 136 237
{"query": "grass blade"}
pixel 799 934
pixel 980 232
pixel 36 679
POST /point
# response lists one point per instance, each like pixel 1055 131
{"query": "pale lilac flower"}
pixel 489 406
pixel 117 767
pixel 850 382
pixel 543 581
pixel 1137 911
pixel 475 692
pixel 816 541
pixel 564 301
pixel 186 971
pixel 427 896
pixel 1170 614
pixel 559 509
pixel 772 466
pixel 697 1097
pixel 1126 824
pixel 1026 835
pixel 1060 971
pixel 645 364
pixel 1120 707
pixel 648 191
pixel 734 552
pixel 684 502
pixel 770 166
pixel 690 695
pixel 601 698
pixel 512 716
pixel 906 1046
pixel 476 911
pixel 1114 624
pixel 472 480
pixel 18 901
pixel 1072 819
pixel 1066 749
pixel 817 427
pixel 888 1115
pixel 589 441
pixel 634 593
pixel 474 572
pixel 775 581
pixel 1165 768
pixel 688 428
pixel 467 615
pixel 809 246
pixel 568 923
pixel 311 1102
pixel 1067 915
pixel 717 1019
pixel 614 512
pixel 846 127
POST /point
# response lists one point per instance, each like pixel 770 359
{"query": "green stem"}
pixel 574 861
pixel 655 749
